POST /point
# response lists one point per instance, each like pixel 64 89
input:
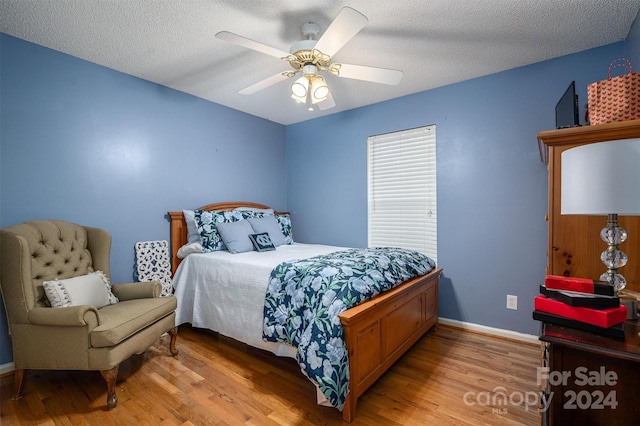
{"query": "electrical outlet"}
pixel 512 302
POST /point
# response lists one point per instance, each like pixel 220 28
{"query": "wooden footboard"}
pixel 379 331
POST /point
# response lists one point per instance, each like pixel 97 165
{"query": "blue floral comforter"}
pixel 304 299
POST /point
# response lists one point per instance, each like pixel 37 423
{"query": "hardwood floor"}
pixel 450 377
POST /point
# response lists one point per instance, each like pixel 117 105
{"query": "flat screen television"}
pixel 567 108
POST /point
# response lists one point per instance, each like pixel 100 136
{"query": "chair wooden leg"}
pixel 111 376
pixel 172 344
pixel 17 384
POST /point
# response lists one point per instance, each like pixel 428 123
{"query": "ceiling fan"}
pixel 310 57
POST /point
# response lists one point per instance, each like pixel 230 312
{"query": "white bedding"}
pixel 225 292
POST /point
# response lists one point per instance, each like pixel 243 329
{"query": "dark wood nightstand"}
pixel 593 380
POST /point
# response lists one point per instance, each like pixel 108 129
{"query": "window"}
pixel 402 190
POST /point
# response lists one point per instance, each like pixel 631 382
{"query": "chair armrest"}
pixel 140 290
pixel 74 316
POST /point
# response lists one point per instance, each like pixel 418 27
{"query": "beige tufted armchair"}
pixel 74 337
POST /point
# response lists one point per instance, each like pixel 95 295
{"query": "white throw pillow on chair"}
pixel 92 289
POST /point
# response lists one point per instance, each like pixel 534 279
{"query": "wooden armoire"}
pixel 574 244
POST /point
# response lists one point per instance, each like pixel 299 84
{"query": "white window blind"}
pixel 402 190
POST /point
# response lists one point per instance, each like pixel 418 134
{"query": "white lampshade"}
pixel 601 179
pixel 299 88
pixel 319 90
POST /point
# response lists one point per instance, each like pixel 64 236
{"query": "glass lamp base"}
pixel 614 279
pixel 613 258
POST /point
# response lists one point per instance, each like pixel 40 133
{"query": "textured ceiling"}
pixel 435 42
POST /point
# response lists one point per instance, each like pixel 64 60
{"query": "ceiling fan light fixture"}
pixel 319 90
pixel 309 71
pixel 312 56
pixel 299 89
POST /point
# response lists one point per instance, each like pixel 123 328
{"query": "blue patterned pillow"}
pixel 285 223
pixel 246 214
pixel 206 222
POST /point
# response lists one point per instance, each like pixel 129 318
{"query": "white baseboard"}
pixel 7 368
pixel 514 335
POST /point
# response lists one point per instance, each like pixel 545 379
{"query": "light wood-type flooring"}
pixel 450 377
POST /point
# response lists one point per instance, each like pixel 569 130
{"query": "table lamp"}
pixel 603 179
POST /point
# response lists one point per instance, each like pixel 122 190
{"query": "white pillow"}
pixel 187 249
pixel 193 236
pixel 92 289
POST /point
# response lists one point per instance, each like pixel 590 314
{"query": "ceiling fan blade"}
pixel 327 103
pixel 270 81
pixel 347 24
pixel 251 44
pixel 373 74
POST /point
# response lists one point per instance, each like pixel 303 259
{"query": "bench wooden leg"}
pixel 172 344
pixel 111 376
pixel 17 384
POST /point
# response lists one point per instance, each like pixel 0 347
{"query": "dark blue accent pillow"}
pixel 262 242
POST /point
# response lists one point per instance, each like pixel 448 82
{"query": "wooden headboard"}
pixel 179 227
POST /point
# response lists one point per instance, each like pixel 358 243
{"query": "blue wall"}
pixel 633 44
pixel 492 186
pixel 87 144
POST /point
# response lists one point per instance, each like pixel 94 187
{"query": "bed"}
pixel 376 332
